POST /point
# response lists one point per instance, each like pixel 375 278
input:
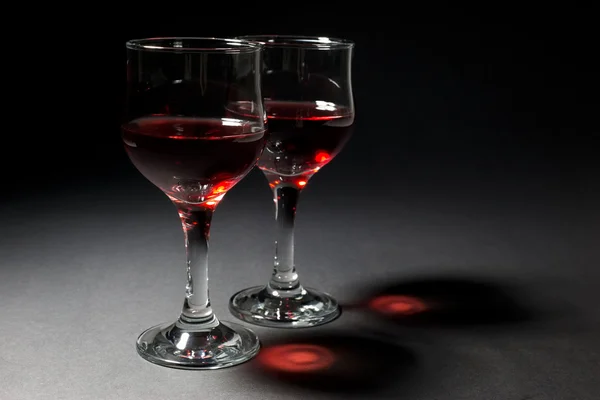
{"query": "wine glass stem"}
pixel 285 278
pixel 196 229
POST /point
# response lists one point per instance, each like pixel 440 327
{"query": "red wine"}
pixel 193 160
pixel 303 137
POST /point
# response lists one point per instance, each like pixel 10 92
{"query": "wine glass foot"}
pixel 185 346
pixel 266 307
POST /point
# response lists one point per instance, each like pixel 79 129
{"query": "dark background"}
pixel 461 91
pixel 475 155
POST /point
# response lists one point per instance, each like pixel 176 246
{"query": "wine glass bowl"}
pixel 308 100
pixel 180 135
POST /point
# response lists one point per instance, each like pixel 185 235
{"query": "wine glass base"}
pixel 263 307
pixel 183 346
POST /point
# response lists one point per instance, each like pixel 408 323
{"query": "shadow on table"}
pixel 380 351
pixel 344 363
pixel 445 302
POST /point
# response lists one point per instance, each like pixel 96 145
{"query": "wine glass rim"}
pixel 301 41
pixel 221 45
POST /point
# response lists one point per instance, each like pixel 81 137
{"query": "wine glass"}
pixel 307 88
pixel 182 137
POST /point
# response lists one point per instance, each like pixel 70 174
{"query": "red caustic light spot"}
pixel 397 305
pixel 296 358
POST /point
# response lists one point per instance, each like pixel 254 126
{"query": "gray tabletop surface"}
pixel 86 269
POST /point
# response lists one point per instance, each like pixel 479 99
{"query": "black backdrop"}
pixel 461 92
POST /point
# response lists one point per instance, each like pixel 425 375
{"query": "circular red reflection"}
pixel 296 358
pixel 397 305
